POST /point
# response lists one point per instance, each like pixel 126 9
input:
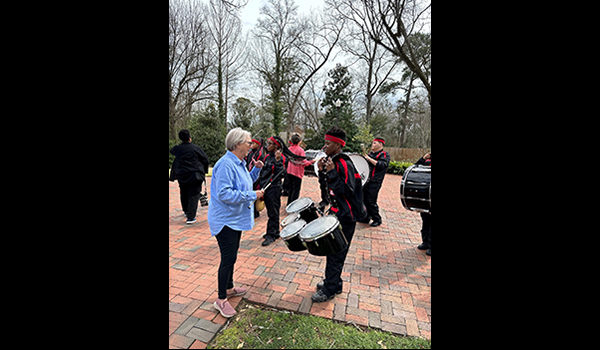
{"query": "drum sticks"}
pixel 269 184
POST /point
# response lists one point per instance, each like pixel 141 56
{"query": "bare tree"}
pixel 225 29
pixel 190 61
pixel 321 36
pixel 390 23
pixel 380 63
pixel 276 36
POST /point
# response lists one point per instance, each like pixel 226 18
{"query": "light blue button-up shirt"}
pixel 230 195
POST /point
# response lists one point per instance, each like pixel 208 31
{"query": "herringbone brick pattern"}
pixel 387 281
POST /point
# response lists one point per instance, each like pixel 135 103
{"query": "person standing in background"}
pixel 426 217
pixel 378 160
pixel 295 168
pixel 189 168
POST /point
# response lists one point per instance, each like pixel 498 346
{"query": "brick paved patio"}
pixel 387 281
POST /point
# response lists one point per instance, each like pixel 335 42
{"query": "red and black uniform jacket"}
pixel 268 172
pixel 255 155
pixel 344 186
pixel 423 162
pixel 377 171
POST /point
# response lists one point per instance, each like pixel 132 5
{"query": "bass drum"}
pixel 324 236
pixel 415 188
pixel 362 166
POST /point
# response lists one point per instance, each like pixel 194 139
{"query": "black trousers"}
pixel 370 194
pixel 426 228
pixel 273 203
pixel 229 244
pixel 335 262
pixel 295 184
pixel 189 194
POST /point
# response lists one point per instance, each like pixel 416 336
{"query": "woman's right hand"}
pixel 260 194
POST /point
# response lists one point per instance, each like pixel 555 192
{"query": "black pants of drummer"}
pixel 426 228
pixel 229 244
pixel 335 262
pixel 273 204
pixel 370 194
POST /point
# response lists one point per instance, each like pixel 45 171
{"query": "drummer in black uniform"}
pixel 340 178
pixel 378 160
pixel 426 217
pixel 274 164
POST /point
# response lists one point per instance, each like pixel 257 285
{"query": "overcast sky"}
pixel 250 12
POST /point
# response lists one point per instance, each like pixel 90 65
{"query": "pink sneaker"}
pixel 237 291
pixel 225 308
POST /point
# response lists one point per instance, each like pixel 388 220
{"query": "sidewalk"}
pixel 387 281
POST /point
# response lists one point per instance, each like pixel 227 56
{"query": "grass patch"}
pixel 256 327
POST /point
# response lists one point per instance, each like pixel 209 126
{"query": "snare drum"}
pixel 324 236
pixel 289 219
pixel 415 188
pixel 289 234
pixel 305 207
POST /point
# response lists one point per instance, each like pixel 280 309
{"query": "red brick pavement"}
pixel 387 281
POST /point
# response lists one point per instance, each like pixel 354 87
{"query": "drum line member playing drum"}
pixel 274 164
pixel 378 160
pixel 257 152
pixel 426 217
pixel 343 183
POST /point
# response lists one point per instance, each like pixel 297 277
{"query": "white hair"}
pixel 235 136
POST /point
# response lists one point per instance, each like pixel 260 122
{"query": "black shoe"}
pixel 428 252
pixel 268 241
pixel 322 283
pixel 423 246
pixel 320 297
pixel 375 223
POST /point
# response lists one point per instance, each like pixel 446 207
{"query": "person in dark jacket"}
pixel 338 175
pixel 258 151
pixel 189 168
pixel 272 173
pixel 378 160
pixel 426 217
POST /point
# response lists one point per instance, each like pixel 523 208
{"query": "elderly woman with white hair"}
pixel 231 210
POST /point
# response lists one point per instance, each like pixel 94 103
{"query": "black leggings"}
pixel 229 244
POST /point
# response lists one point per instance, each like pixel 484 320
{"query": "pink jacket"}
pixel 296 168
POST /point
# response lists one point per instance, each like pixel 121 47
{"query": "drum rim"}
pixel 322 234
pixel 296 232
pixel 299 210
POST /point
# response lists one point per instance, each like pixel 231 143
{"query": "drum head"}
pixel 299 205
pixel 319 155
pixel 361 165
pixel 319 227
pixel 289 219
pixel 292 229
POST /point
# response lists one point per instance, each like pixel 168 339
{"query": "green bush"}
pixel 398 168
pixel 172 143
